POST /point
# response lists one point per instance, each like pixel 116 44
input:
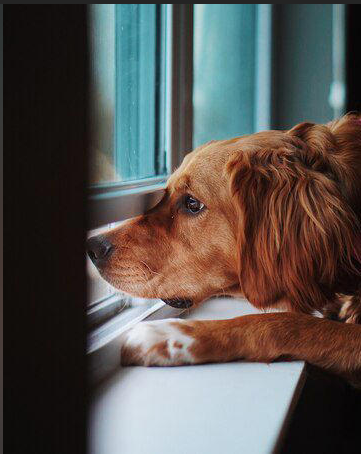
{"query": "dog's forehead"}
pixel 201 169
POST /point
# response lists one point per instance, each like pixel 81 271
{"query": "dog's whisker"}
pixel 149 268
pixel 144 276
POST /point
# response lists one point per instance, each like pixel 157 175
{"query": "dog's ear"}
pixel 333 149
pixel 295 228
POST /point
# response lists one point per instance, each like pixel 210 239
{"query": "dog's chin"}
pixel 179 303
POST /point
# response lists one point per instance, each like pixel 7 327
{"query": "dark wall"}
pixel 1 223
pixel 353 57
pixel 46 143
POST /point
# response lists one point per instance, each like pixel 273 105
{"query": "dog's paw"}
pixel 157 343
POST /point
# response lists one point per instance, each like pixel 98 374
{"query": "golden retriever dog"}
pixel 273 216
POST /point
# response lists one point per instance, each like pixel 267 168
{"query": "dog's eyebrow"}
pixel 183 184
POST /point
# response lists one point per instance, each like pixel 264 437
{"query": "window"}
pixel 233 44
pixel 129 81
pixel 224 46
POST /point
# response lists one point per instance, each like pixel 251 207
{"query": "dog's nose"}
pixel 99 248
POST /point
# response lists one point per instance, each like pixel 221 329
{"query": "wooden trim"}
pixel 182 83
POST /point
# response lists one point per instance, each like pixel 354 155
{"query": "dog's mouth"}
pixel 179 303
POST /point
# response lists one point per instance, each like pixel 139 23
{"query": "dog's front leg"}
pixel 174 342
pixel 263 337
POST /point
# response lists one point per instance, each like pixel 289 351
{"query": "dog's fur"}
pixel 281 226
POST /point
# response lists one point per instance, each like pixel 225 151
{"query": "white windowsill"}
pixel 230 408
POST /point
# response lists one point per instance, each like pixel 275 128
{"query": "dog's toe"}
pixel 156 343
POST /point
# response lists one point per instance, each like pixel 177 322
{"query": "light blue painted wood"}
pixel 224 71
pixel 303 64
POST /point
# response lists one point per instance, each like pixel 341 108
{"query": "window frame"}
pixel 263 71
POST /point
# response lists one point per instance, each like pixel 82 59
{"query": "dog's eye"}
pixel 193 205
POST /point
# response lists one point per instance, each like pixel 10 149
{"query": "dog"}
pixel 275 217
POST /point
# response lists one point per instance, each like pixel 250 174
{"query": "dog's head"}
pixel 268 215
pixel 184 249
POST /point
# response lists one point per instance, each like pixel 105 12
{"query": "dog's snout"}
pixel 99 248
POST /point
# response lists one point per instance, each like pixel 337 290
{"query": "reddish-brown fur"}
pixel 299 216
pixel 281 226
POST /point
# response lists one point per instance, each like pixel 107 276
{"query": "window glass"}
pixel 128 84
pixel 224 71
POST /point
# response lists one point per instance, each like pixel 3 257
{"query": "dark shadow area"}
pixel 46 141
pixel 353 58
pixel 326 418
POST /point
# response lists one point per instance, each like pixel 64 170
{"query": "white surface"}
pixel 217 408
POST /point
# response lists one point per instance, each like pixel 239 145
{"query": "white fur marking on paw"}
pixel 146 335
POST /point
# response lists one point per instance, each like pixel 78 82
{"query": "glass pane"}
pixel 224 71
pixel 128 77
